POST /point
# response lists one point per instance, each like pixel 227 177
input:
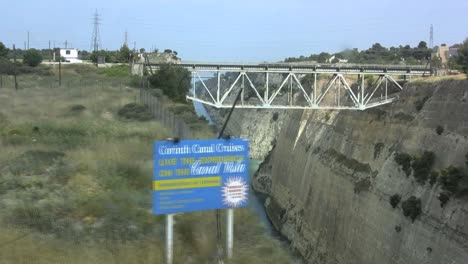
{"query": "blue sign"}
pixel 195 175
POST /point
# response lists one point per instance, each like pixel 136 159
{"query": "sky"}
pixel 234 31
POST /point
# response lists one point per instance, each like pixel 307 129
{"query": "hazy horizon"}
pixel 207 30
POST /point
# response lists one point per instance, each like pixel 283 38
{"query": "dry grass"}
pixel 93 204
pixel 433 79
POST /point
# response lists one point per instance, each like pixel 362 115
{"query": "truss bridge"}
pixel 283 86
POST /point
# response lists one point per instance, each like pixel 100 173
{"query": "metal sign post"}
pixel 169 237
pixel 229 232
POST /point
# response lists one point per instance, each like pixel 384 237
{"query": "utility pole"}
pixel 66 44
pixel 96 38
pixel 54 53
pixel 49 50
pixel 60 70
pixel 126 39
pixel 431 46
pixel 14 68
pixel 431 37
pixel 28 39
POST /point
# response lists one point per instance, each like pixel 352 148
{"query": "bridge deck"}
pixel 304 69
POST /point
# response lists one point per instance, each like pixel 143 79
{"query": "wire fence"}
pixel 160 112
pixel 168 119
pixel 25 82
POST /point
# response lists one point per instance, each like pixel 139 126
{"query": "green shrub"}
pixel 76 109
pixel 404 160
pixel 32 57
pixel 395 200
pixel 412 208
pixel 422 166
pixel 443 197
pixel 466 157
pixel 450 178
pixel 135 111
pixel 439 130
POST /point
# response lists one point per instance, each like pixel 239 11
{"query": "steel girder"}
pixel 336 93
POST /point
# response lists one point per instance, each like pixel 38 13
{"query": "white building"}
pixel 70 55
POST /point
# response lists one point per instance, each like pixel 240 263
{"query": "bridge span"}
pixel 285 86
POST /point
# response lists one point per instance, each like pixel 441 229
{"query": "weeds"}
pixel 80 184
pixel 135 111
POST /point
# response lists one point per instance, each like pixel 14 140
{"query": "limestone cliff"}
pixel 330 176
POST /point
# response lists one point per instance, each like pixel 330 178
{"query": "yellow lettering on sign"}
pixel 165 173
pixel 160 185
pixel 167 162
pixel 182 172
pixel 187 160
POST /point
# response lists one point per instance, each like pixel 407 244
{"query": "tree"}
pixel 32 57
pixel 173 81
pixel 377 47
pixel 422 45
pixel 323 57
pixel 124 54
pixel 3 51
pixel 93 56
pixel 462 58
pixel 436 62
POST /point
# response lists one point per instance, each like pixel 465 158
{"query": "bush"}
pixel 450 178
pixel 404 160
pixel 466 157
pixel 422 166
pixel 439 130
pixel 32 57
pixel 76 109
pixel 444 197
pixel 412 208
pixel 6 67
pixel 135 111
pixel 395 200
pixel 398 228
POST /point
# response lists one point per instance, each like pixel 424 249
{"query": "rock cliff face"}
pixel 330 175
